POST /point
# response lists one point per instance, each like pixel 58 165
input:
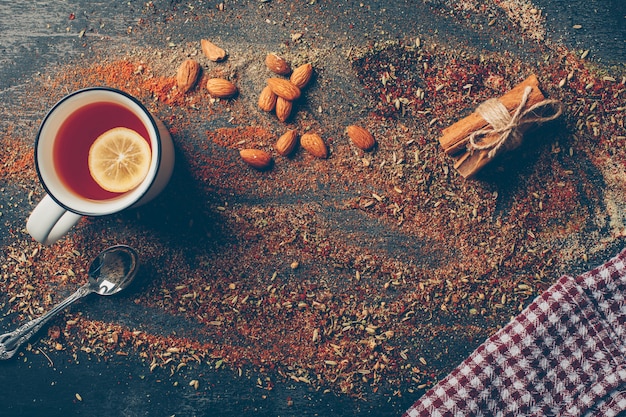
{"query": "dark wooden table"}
pixel 39 38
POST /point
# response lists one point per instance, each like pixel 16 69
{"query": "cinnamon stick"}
pixel 468 164
pixel 455 137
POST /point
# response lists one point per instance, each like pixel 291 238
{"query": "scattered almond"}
pixel 256 158
pixel 287 142
pixel 283 109
pixel 221 88
pixel 284 88
pixel 277 64
pixel 360 137
pixel 267 99
pixel 187 75
pixel 301 75
pixel 212 51
pixel 314 144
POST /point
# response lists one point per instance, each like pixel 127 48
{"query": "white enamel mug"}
pixel 63 205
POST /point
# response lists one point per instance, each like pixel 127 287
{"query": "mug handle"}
pixel 49 221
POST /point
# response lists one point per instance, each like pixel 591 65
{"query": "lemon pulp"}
pixel 119 160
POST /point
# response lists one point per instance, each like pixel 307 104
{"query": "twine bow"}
pixel 509 127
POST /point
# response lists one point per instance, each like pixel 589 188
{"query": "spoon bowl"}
pixel 109 273
pixel 113 270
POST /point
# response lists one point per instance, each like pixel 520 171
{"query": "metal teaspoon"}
pixel 110 272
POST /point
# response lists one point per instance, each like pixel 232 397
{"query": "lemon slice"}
pixel 119 160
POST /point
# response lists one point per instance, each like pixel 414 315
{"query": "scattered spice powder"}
pixel 395 252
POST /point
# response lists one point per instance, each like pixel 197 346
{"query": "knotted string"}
pixel 509 126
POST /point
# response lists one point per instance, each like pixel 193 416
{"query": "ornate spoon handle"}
pixel 10 342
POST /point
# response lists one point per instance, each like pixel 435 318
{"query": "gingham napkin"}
pixel 564 355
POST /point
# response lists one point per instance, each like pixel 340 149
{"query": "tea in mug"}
pixel 75 137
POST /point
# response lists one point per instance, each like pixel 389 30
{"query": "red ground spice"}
pixel 237 138
pixel 16 159
pixel 353 316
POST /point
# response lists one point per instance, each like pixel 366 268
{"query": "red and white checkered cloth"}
pixel 564 355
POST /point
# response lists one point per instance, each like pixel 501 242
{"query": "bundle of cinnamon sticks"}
pixel 497 126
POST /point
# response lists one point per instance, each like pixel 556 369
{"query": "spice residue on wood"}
pixel 395 254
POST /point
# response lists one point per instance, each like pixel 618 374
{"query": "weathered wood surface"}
pixel 37 34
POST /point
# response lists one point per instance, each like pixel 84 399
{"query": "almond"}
pixel 256 158
pixel 301 75
pixel 314 144
pixel 187 75
pixel 361 137
pixel 284 88
pixel 212 51
pixel 221 88
pixel 287 142
pixel 267 99
pixel 283 109
pixel 277 64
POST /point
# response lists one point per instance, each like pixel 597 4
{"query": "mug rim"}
pixel 158 152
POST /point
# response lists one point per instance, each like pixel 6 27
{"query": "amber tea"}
pixel 75 137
